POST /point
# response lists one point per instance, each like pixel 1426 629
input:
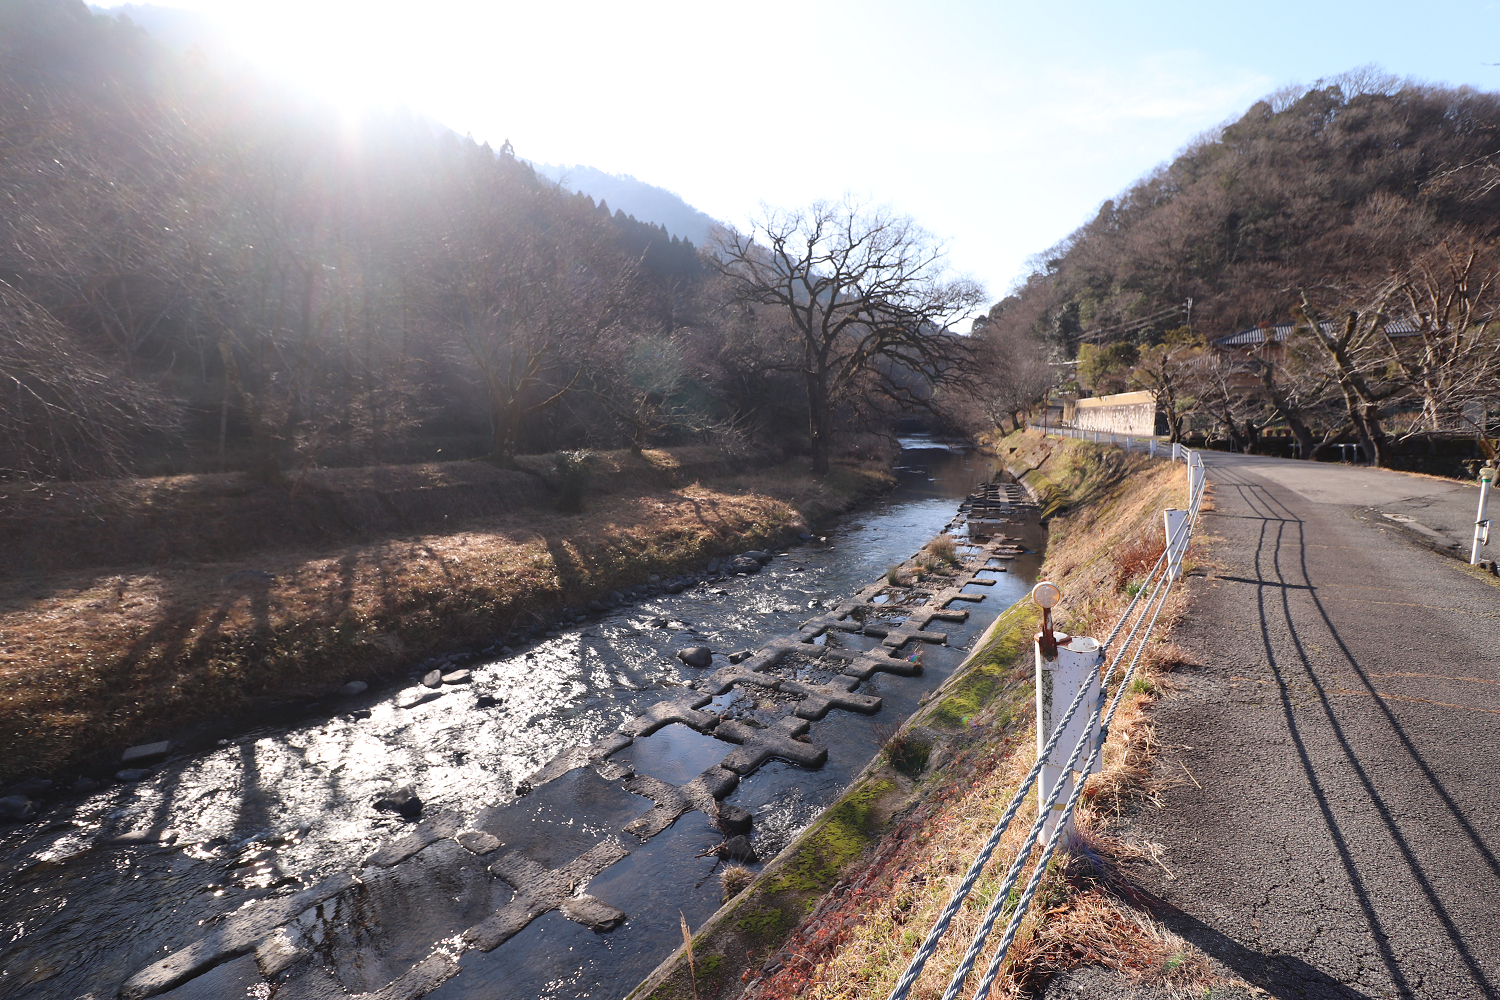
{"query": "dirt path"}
pixel 1335 831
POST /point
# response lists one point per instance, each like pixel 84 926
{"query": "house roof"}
pixel 1257 335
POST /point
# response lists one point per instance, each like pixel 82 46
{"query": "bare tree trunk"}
pixel 817 423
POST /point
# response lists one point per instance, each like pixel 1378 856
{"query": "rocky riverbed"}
pixel 269 858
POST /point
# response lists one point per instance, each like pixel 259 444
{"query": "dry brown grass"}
pixel 92 660
pixel 734 879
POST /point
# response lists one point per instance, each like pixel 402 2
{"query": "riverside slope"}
pixel 1340 834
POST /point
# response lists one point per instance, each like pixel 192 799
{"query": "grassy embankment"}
pixel 841 910
pixel 134 610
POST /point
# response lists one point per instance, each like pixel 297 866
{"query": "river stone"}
pixel 713 565
pixel 433 678
pixel 354 688
pixel 595 914
pixel 132 774
pixel 478 842
pixel 458 677
pixel 598 607
pixel 403 800
pixel 743 564
pixel 739 657
pixel 739 849
pixel 17 808
pixel 757 555
pixel 486 701
pixel 696 656
pixel 733 820
pixel 146 753
pixel 31 788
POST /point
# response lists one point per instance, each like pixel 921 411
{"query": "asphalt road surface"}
pixel 1334 826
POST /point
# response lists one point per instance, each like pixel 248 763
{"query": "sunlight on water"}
pixel 278 809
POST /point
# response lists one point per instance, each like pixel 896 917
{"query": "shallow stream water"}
pixel 274 810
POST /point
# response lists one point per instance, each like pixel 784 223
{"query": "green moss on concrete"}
pixel 990 670
pixel 839 837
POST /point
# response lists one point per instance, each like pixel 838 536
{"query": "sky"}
pixel 999 126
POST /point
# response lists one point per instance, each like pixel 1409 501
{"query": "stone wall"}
pixel 1122 413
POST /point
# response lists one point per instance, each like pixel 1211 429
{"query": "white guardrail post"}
pixel 1064 664
pixel 1482 523
pixel 1176 521
pixel 1195 475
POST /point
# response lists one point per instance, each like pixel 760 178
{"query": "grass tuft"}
pixel 734 880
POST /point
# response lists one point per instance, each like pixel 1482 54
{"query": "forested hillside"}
pixel 1363 197
pixel 202 271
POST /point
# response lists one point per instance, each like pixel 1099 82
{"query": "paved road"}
pixel 1336 828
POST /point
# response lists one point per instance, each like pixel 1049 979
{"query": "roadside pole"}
pixel 1482 523
pixel 1064 664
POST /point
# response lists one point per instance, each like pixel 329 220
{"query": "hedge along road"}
pixel 1334 825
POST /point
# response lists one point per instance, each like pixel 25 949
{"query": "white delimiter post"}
pixel 1481 523
pixel 1195 476
pixel 1075 664
pixel 1175 520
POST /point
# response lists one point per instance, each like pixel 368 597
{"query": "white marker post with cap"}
pixel 1482 523
pixel 1064 664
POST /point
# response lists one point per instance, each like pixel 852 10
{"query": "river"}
pixel 274 810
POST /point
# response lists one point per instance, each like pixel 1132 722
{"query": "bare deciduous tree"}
pixel 1166 370
pixel 863 301
pixel 64 411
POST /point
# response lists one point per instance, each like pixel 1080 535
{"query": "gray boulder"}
pixel 433 678
pixel 757 555
pixel 17 808
pixel 354 688
pixel 739 849
pixel 403 801
pixel 146 753
pixel 696 656
pixel 132 774
pixel 463 676
pixel 477 841
pixel 31 788
pixel 595 914
pixel 733 820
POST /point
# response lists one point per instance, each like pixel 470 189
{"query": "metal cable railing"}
pixel 1162 576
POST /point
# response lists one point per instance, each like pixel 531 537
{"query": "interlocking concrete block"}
pixel 239 934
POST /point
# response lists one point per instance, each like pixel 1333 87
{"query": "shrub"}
pixel 734 880
pixel 572 473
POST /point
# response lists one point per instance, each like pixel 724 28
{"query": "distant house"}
pixel 1244 352
pixel 1269 341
